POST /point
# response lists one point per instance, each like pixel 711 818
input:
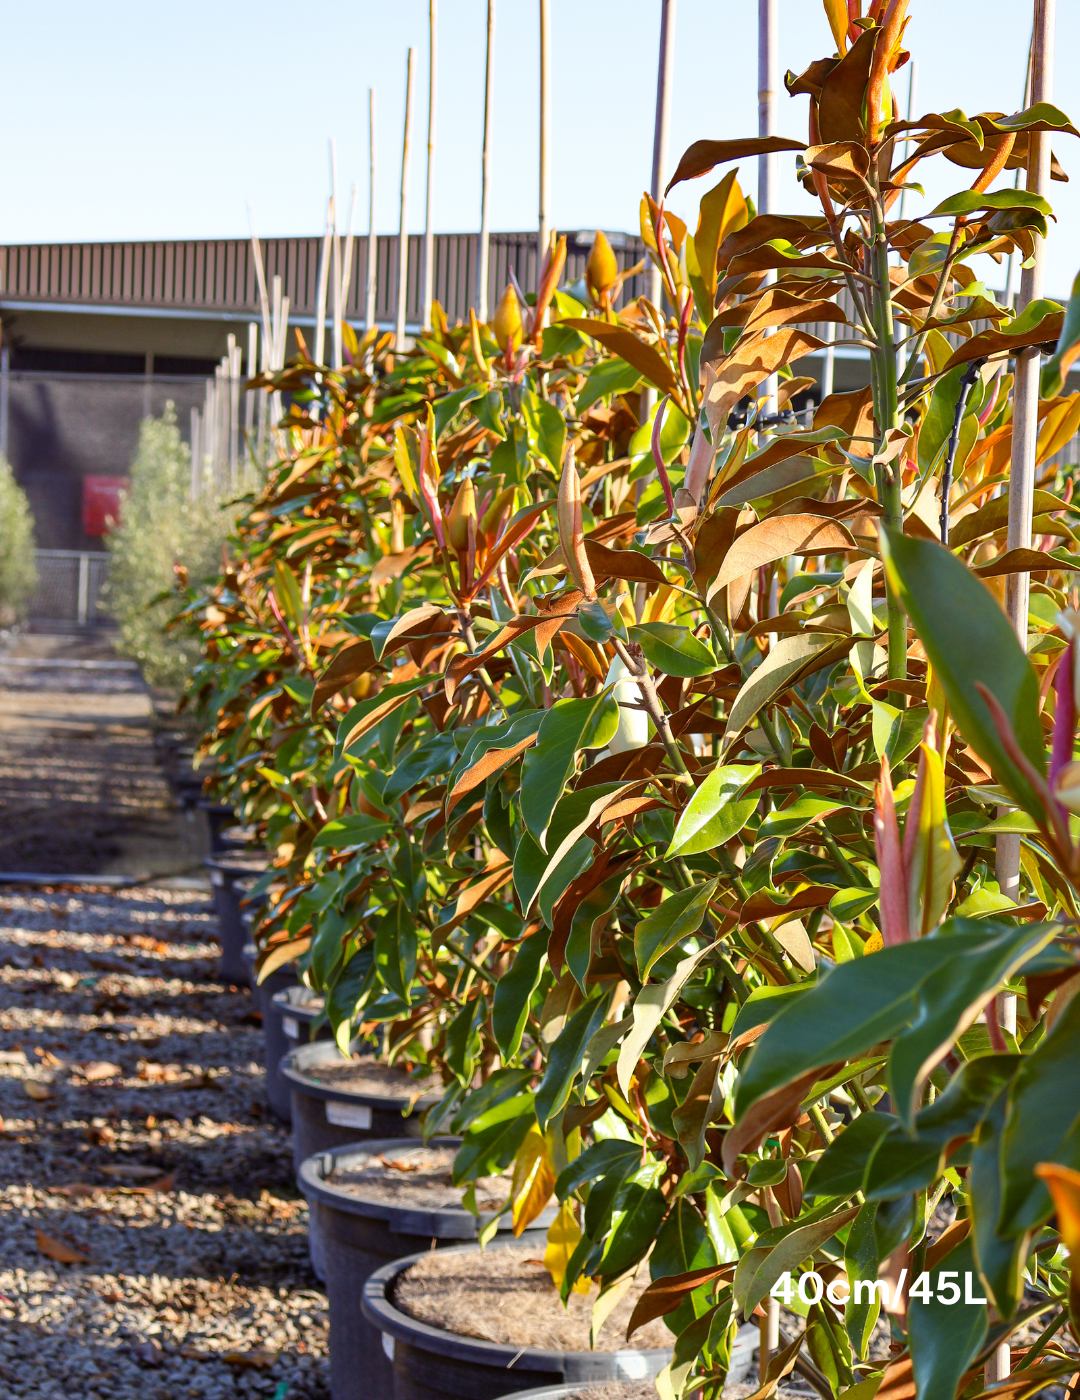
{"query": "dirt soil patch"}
pixel 362 1076
pixel 505 1295
pixel 416 1178
pixel 153 1245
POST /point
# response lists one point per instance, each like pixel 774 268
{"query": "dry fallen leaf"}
pixel 56 1249
pixel 257 1357
pixel 130 1173
pixel 37 1089
pixel 165 1183
pixel 96 1070
pixel 75 1189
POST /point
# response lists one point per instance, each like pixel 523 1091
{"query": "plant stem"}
pixel 639 671
pixel 887 418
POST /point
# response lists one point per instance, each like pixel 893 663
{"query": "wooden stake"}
pixel 346 271
pixel 335 339
pixel 429 228
pixel 324 279
pixel 661 128
pixel 545 135
pixel 485 172
pixel 1026 405
pixel 403 228
pixel 372 241
pixel 768 83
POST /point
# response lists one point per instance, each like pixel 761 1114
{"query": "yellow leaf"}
pixel 563 1237
pixel 533 1180
pixel 722 211
pixel 660 605
pixel 837 12
pixel 1058 427
pixel 874 943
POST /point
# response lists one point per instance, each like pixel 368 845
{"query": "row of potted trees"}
pixel 632 754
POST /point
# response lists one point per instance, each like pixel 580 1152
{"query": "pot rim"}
pixel 380 1312
pixel 293 1065
pixel 439 1222
pixel 303 1012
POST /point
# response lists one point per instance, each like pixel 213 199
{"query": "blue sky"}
pixel 130 121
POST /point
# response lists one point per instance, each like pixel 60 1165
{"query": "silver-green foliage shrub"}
pixel 18 572
pixel 161 527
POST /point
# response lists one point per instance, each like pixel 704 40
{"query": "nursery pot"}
pixel 218 817
pixel 226 871
pixel 742 1359
pixel 431 1363
pixel 288 1014
pixel 327 1114
pixel 238 838
pixel 362 1233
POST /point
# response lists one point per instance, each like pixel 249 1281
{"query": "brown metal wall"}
pixel 218 276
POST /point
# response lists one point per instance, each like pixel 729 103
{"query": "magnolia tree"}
pixel 642 777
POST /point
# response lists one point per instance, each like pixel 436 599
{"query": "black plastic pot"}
pixel 288 1014
pixel 742 1359
pixel 361 1236
pixel 325 1117
pixel 430 1364
pixel 218 817
pixel 226 871
pixel 238 838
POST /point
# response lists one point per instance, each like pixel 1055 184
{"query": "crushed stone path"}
pixel 153 1245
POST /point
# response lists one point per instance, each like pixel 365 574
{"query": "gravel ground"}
pixel 152 1242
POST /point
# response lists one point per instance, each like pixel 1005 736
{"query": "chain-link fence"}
pixel 68 591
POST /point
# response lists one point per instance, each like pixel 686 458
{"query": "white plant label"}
pixel 348 1115
pixel 291 1026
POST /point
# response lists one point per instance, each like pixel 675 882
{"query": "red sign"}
pixel 101 503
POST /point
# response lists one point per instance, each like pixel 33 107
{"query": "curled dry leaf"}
pixel 56 1249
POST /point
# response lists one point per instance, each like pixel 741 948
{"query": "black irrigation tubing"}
pixel 967 382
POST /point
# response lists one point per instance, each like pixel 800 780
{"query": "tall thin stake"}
pixel 545 135
pixel 1024 437
pixel 768 83
pixel 335 339
pixel 372 241
pixel 346 271
pixel 429 227
pixel 403 229
pixel 661 127
pixel 485 171
pixel 324 281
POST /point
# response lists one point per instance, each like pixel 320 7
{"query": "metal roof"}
pixel 215 278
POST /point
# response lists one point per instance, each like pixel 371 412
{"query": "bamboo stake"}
pixel 346 272
pixel 403 231
pixel 372 241
pixel 429 228
pixel 545 136
pixel 335 339
pixel 195 473
pixel 324 278
pixel 485 172
pixel 260 278
pixel 1026 415
pixel 661 128
pixel 768 83
pixel 249 397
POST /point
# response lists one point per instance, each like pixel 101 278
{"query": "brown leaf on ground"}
pixel 132 1172
pixel 163 1184
pixel 255 1357
pixel 77 1190
pixel 56 1249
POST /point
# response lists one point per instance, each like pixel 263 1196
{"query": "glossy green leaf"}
pixel 1000 1258
pixel 788 659
pixel 601 1159
pixel 1043 1122
pixel 841 1168
pixel 513 993
pixel 608 377
pixel 649 1008
pixel 948 1005
pixel 565 1058
pixel 673 650
pixel 760 1268
pixel 344 832
pixel 670 922
pixel 970 641
pixel 969 201
pixel 637 1210
pixel 1066 350
pixel 849 1010
pixel 395 949
pixel 567 728
pixel 491 1141
pixel 715 813
pixel 789 821
pixel 945 1338
pixel 861 1263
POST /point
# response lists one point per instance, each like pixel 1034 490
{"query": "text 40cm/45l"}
pixel 811 1288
